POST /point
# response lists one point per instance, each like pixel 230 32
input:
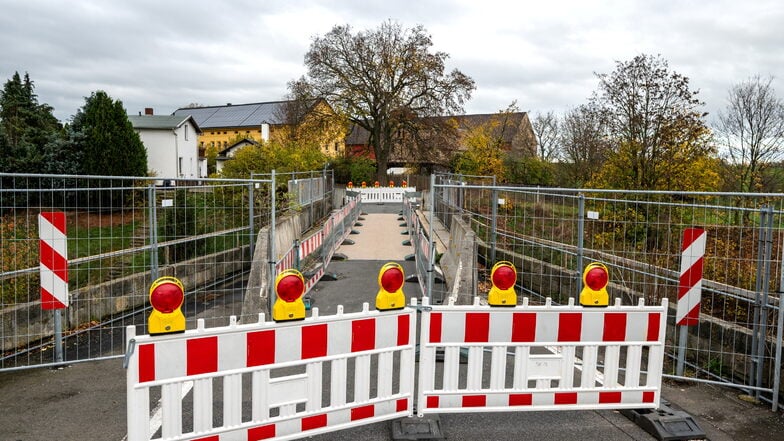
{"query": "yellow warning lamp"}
pixel 390 287
pixel 289 287
pixel 166 297
pixel 595 280
pixel 503 276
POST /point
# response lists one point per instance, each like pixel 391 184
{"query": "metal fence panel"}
pixel 122 233
pixel 551 234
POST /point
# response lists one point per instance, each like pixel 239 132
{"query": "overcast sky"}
pixel 543 54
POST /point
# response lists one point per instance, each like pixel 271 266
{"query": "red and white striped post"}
pixel 53 253
pixel 689 288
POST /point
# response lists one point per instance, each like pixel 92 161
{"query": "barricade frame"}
pixel 361 336
pixel 474 397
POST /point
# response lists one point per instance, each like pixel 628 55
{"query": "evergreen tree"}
pixel 105 137
pixel 27 129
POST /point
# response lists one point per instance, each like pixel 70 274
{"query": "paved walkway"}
pixel 380 238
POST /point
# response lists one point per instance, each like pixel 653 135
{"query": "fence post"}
pixel 493 225
pixel 580 242
pixel 271 247
pixel 251 214
pixel 153 222
pixel 432 242
pixel 310 197
pixel 763 282
pixel 779 332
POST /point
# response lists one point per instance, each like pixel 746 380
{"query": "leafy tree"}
pixel 353 169
pixel 653 123
pixel 384 80
pixel 29 132
pixel 529 170
pixel 751 129
pixel 483 155
pixel 103 134
pixel 273 155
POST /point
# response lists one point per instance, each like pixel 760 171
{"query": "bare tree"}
pixel 382 79
pixel 546 128
pixel 751 129
pixel 583 144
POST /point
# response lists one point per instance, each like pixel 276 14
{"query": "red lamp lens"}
pixel 596 278
pixel 504 277
pixel 290 288
pixel 392 279
pixel 166 298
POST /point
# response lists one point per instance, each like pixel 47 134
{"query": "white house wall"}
pixel 165 151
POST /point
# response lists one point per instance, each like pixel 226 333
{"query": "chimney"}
pixel 148 111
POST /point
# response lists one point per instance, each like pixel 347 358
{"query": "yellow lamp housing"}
pixel 289 287
pixel 390 287
pixel 166 297
pixel 503 276
pixel 596 277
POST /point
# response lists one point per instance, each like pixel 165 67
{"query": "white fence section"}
pixel 273 380
pixel 383 194
pixel 540 358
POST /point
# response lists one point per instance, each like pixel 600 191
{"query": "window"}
pixel 179 166
pixel 337 144
pixel 236 132
pixel 186 131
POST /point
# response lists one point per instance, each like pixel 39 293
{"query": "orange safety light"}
pixel 376 184
pixel 503 276
pixel 390 283
pixel 404 184
pixel 166 297
pixel 350 184
pixel 364 184
pixel 596 277
pixel 391 184
pixel 289 287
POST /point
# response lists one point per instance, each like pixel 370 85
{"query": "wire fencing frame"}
pixel 551 233
pixel 123 232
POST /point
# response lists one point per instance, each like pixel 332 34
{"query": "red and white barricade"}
pixel 534 353
pixel 272 377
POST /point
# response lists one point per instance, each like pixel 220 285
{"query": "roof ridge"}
pixel 235 105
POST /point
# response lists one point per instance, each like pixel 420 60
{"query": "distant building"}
pixel 223 126
pixel 229 152
pixel 172 145
pixel 514 130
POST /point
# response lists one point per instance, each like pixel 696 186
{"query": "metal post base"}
pixel 666 423
pixel 415 428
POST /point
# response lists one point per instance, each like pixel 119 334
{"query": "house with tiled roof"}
pixel 223 126
pixel 172 145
